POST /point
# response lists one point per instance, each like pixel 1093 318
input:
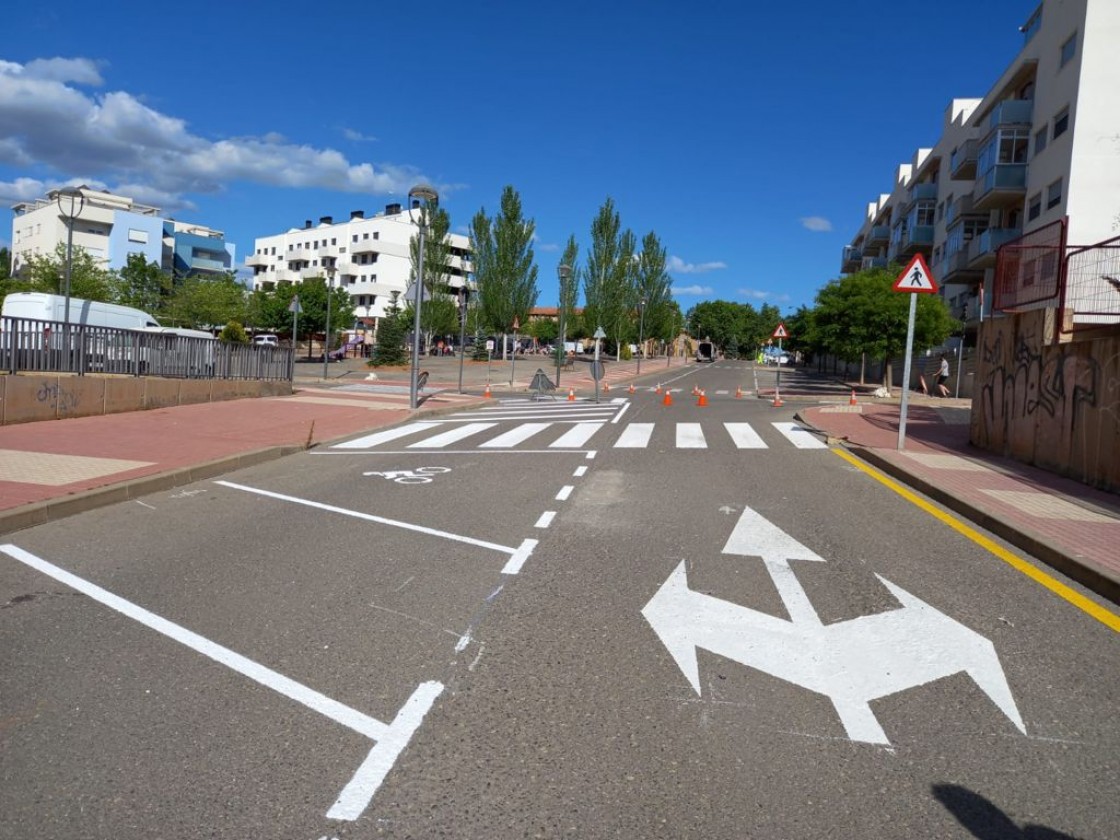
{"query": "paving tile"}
pixel 945 462
pixel 57 470
pixel 1047 506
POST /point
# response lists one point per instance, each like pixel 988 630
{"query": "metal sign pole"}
pixel 906 373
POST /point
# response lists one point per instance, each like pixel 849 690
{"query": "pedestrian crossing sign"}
pixel 780 332
pixel 916 277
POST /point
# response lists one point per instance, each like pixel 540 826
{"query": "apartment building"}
pixel 1042 148
pixel 369 257
pixel 111 227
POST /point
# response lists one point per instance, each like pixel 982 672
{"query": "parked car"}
pixel 266 340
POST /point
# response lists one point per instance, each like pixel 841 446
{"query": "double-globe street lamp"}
pixel 70 202
pixel 641 333
pixel 329 271
pixel 428 194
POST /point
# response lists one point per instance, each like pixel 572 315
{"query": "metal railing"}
pixel 27 344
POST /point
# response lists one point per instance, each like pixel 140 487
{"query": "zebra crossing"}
pixel 558 427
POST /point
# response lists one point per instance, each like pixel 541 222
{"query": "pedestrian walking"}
pixel 943 376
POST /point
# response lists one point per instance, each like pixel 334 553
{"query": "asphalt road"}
pixel 626 620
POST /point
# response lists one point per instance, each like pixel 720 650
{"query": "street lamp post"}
pixel 563 272
pixel 641 333
pixel 462 330
pixel 329 269
pixel 70 203
pixel 428 194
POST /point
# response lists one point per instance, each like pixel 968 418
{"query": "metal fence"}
pixel 27 344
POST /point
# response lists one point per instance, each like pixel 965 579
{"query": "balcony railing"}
pixel 962 163
pixel 1011 112
pixel 256 259
pixel 955 269
pixel 916 238
pixel 877 235
pixel 961 207
pixel 849 260
pixel 922 192
pixel 873 262
pixel 982 249
pixel 1002 184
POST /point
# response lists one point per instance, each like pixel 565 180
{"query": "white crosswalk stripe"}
pixel 566 434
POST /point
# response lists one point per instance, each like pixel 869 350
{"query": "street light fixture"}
pixel 329 269
pixel 563 272
pixel 70 203
pixel 428 194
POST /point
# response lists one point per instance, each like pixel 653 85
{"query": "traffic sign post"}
pixel 295 309
pixel 915 279
pixel 599 336
pixel 779 334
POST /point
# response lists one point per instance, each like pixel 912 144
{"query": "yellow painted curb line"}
pixel 1104 616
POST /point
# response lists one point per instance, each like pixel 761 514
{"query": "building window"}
pixel 1069 50
pixel 377 234
pixel 1039 141
pixel 1034 207
pixel 140 236
pixel 1061 122
pixel 1054 194
pixel 354 238
pixel 365 236
pixel 334 241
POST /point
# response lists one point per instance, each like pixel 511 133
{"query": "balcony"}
pixel 328 251
pixel 959 208
pixel 365 246
pixel 955 269
pixel 982 249
pixel 206 264
pixel 922 192
pixel 1004 183
pixel 849 261
pixel 254 260
pixel 1011 112
pixel 872 262
pixel 917 238
pixel 879 235
pixel 962 163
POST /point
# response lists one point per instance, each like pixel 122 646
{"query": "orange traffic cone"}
pixel 739 393
pixel 487 392
pixel 657 390
pixel 606 386
pixel 703 399
pixel 631 387
pixel 668 398
pixel 777 399
pixel 852 398
pixel 571 395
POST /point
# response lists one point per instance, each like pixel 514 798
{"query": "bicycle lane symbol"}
pixel 421 475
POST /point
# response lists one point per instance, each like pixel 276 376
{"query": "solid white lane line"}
pixel 350 718
pixel 436 441
pixel 577 436
pixel 744 436
pixel 635 436
pixel 621 411
pixel 546 519
pixel 369 517
pixel 516 435
pixel 385 436
pixel 799 436
pixel 564 493
pixel 690 436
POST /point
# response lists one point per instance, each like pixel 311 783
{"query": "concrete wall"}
pixel 25 398
pixel 1057 407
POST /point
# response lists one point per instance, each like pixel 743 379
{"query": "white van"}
pixel 91 313
pixel 266 340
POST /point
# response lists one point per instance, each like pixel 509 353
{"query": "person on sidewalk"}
pixel 943 377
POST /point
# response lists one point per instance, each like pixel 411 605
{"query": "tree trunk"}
pixel 862 368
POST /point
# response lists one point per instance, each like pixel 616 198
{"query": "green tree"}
pixel 503 264
pixel 439 311
pixel 88 280
pixel 391 332
pixel 234 333
pixel 861 314
pixel 653 284
pixel 268 308
pixel 205 301
pixel 141 284
pixel 5 264
pixel 609 276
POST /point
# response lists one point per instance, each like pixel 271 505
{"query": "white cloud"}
pixel 114 137
pixel 678 266
pixel 817 224
pixel 357 136
pixel 691 290
pixel 762 294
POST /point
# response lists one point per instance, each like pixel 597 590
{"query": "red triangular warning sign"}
pixel 916 277
pixel 780 332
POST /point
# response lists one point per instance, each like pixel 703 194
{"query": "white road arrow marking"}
pixel 851 662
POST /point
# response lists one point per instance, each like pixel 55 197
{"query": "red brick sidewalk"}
pixel 1068 525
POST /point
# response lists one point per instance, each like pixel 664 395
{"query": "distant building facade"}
pixel 1043 146
pixel 111 227
pixel 369 257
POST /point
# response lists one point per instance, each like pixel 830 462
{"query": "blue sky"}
pixel 750 140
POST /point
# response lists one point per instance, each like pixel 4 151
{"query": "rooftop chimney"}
pixel 357 214
pixel 326 220
pixel 392 209
pixel 307 224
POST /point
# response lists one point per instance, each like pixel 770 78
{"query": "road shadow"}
pixel 984 820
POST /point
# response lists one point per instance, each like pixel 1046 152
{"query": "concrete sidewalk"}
pixel 1066 524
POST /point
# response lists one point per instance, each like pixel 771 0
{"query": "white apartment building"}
pixel 1041 147
pixel 369 257
pixel 111 227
